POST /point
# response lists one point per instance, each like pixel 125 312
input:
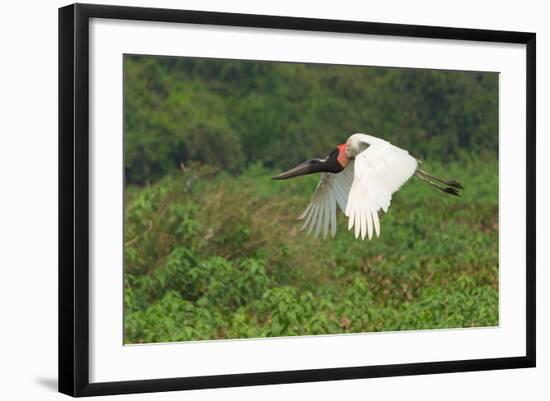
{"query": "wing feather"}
pixel 313 218
pixel 333 218
pixel 358 221
pixel 364 221
pixel 340 193
pixel 368 213
pixel 305 213
pixel 326 217
pixel 309 215
pixel 376 222
pixel 379 171
pixel 319 220
pixel 332 191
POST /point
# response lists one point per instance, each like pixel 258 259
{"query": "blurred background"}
pixel 212 245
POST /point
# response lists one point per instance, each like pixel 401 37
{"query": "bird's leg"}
pixel 450 183
pixel 448 190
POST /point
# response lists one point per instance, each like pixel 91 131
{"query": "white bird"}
pixel 360 177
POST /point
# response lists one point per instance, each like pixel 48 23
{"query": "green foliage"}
pixel 209 255
pixel 235 113
pixel 213 248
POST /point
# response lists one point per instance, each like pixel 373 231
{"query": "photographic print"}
pixel 254 199
pixel 267 199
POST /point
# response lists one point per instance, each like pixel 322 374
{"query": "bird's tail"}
pixel 450 187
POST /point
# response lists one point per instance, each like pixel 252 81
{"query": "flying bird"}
pixel 360 177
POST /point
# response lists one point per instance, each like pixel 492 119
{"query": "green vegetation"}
pixel 209 255
pixel 235 113
pixel 214 250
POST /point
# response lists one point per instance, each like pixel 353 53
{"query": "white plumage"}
pixel 375 171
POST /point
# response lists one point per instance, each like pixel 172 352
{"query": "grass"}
pixel 209 255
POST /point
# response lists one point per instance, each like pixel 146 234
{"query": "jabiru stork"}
pixel 360 177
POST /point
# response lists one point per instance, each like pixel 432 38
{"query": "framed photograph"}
pixel 250 199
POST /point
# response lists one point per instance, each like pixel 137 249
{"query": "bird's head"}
pixel 335 162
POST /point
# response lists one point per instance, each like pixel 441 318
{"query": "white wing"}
pixel 380 170
pixel 332 190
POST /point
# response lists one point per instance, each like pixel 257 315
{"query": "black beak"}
pixel 306 167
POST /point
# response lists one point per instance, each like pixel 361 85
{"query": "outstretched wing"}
pixel 380 170
pixel 332 190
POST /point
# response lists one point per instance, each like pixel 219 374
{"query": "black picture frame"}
pixel 74 198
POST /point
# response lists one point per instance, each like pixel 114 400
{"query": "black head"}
pixel 331 164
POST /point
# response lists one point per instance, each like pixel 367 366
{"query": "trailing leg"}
pixel 450 183
pixel 451 190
